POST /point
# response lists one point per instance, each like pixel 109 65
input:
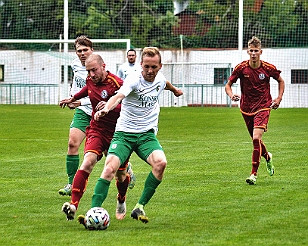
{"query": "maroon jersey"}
pixel 255 86
pixel 102 92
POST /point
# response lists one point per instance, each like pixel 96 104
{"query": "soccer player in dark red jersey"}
pixel 256 101
pixel 100 86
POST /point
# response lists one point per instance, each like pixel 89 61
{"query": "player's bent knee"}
pixel 160 166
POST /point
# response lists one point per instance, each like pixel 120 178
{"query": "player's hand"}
pixel 235 97
pixel 275 103
pixel 74 105
pixel 178 92
pixel 64 102
pixel 100 105
pixel 99 114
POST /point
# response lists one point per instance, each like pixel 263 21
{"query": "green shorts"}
pixel 80 120
pixel 143 144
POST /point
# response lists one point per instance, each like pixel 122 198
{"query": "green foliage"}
pixel 203 199
pixel 151 22
pixel 149 30
pixel 97 24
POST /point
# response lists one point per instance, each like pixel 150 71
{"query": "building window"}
pixel 69 74
pixel 1 72
pixel 221 76
pixel 299 76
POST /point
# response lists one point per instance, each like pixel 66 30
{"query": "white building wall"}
pixel 28 68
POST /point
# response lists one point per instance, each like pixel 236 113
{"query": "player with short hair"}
pixel 256 101
pixel 135 131
pixel 83 110
pixel 130 66
pixel 100 86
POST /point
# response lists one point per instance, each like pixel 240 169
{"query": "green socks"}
pixel 72 164
pixel 100 192
pixel 102 187
pixel 150 186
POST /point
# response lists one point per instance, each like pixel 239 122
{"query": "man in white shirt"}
pixel 83 110
pixel 130 66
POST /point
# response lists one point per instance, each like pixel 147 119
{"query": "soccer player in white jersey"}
pixel 136 130
pixel 83 110
pixel 130 66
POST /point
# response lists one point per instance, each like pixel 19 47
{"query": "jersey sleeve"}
pixel 120 72
pixel 82 93
pixel 129 85
pixel 272 70
pixel 85 101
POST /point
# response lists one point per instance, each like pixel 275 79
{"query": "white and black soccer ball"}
pixel 97 219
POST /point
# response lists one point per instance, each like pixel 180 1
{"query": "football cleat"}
pixel 120 210
pixel 132 176
pixel 69 210
pixel 252 179
pixel 139 214
pixel 66 191
pixel 82 220
pixel 269 165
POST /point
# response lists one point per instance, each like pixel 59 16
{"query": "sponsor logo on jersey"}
pixel 147 101
pixel 80 82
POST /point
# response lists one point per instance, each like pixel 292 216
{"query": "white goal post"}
pixel 62 41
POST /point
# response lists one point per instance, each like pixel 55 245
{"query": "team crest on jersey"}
pixel 104 94
pixel 261 76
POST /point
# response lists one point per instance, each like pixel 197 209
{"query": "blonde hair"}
pixel 254 41
pixel 151 52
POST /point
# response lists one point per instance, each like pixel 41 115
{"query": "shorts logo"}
pixel 261 76
pixel 114 146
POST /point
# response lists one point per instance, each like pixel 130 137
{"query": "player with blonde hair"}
pixel 135 130
pixel 256 101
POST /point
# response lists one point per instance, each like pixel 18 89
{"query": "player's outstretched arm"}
pixel 110 105
pixel 176 91
pixel 66 102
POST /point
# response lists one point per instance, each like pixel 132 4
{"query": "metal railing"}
pixel 195 95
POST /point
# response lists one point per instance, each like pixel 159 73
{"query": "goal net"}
pixel 202 83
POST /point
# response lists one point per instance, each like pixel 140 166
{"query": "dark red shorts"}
pixel 258 120
pixel 98 141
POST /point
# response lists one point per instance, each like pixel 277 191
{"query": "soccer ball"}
pixel 97 219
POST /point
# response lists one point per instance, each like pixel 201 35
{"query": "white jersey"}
pixel 140 107
pixel 79 81
pixel 128 68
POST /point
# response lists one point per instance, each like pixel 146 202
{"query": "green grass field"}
pixel 203 199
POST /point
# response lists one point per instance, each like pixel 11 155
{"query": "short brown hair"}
pixel 151 52
pixel 254 41
pixel 83 40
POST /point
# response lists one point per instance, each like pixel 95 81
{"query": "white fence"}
pixel 37 77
